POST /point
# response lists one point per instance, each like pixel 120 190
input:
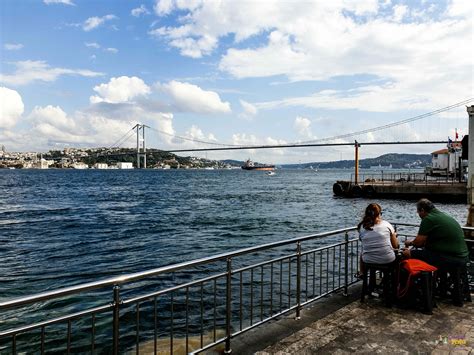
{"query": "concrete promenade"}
pixel 342 325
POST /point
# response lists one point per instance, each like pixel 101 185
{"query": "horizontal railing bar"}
pixel 172 289
pixel 417 225
pixel 332 246
pixel 263 263
pixel 154 272
pixel 406 224
pixel 56 320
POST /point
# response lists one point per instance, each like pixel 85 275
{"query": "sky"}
pixel 82 73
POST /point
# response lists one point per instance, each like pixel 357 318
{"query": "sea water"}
pixel 64 227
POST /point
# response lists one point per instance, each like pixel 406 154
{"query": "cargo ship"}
pixel 250 165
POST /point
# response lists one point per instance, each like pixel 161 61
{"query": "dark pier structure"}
pixel 403 186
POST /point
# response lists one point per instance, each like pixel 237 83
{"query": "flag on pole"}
pixel 456 130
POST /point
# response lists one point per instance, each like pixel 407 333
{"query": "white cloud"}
pixel 98 46
pixel 92 45
pixel 65 2
pixel 406 47
pixel 191 98
pixel 190 47
pixel 251 139
pixel 164 7
pixel 196 133
pixel 111 50
pixel 11 107
pixel 399 12
pixel 51 127
pixel 244 139
pixel 94 22
pixel 52 116
pixel 461 8
pixel 164 123
pixel 29 71
pixel 249 110
pixel 13 46
pixel 119 90
pixel 238 62
pixel 142 10
pixel 303 126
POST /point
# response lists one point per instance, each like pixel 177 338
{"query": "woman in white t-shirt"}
pixel 377 236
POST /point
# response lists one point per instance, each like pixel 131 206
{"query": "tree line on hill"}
pixel 396 161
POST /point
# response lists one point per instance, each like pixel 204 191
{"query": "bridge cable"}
pixel 393 124
pixel 346 135
pixel 122 139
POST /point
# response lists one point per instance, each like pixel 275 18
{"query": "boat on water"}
pixel 250 165
pixel 380 167
pixel 271 172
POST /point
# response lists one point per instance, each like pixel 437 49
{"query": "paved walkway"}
pixel 371 328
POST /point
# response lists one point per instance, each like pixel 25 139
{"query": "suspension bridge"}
pixel 347 139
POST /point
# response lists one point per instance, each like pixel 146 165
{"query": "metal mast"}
pixel 141 145
pixel 470 181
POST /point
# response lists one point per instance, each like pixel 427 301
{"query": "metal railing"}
pixel 402 178
pixel 187 307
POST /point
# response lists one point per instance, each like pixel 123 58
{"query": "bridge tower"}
pixel 141 145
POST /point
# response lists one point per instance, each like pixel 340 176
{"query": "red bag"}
pixel 413 267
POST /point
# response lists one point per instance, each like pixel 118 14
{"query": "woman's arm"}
pixel 394 240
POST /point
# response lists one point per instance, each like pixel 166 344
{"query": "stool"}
pixel 388 278
pixel 459 283
pixel 424 281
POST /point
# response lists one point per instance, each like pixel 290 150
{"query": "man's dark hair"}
pixel 425 205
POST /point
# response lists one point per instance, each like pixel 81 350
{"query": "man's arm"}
pixel 418 242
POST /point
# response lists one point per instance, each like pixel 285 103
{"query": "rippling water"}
pixel 64 227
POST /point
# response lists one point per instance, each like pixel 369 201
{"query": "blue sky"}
pixel 83 72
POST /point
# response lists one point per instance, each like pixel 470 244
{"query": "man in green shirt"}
pixel 440 237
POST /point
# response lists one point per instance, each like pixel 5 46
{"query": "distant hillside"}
pixel 398 161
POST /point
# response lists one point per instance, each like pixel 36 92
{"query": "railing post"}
pixel 228 298
pixel 346 263
pixel 298 280
pixel 116 321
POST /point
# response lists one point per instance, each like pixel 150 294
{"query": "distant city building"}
pixel 80 165
pixel 123 165
pixel 101 166
pixel 43 164
pixel 446 161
